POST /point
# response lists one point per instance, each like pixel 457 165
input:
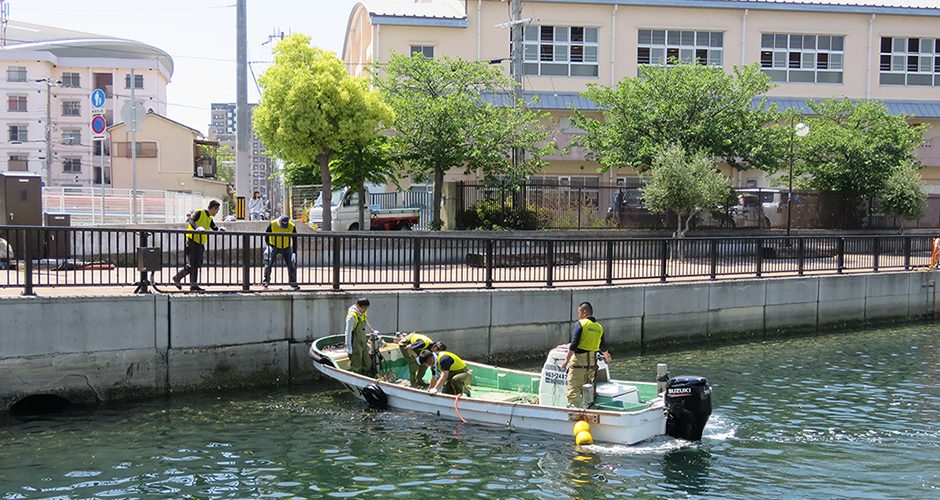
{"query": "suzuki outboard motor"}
pixel 688 405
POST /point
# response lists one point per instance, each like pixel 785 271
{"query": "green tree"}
pixel 357 163
pixel 903 194
pixel 853 147
pixel 685 183
pixel 444 122
pixel 701 107
pixel 310 106
pixel 296 174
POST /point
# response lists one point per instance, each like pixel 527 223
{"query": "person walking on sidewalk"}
pixel 285 246
pixel 200 221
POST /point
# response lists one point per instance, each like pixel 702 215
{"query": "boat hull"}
pixel 624 427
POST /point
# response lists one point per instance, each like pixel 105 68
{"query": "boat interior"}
pixel 495 383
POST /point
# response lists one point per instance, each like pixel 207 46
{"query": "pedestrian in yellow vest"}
pixel 200 221
pixel 285 246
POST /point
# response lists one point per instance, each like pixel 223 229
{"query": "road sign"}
pixel 97 99
pixel 98 125
pixel 133 114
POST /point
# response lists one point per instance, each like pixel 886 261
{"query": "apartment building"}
pixel 879 49
pixel 263 166
pixel 50 74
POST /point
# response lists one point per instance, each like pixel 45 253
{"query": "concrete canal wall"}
pixel 101 348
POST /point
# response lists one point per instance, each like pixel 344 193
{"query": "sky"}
pixel 200 36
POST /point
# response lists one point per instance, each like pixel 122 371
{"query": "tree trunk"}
pixel 438 195
pixel 362 204
pixel 324 160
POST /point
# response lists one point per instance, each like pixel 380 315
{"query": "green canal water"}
pixel 839 415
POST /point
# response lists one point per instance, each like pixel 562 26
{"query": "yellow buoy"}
pixel 581 425
pixel 583 438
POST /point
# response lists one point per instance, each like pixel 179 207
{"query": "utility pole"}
pixel 242 121
pixel 49 132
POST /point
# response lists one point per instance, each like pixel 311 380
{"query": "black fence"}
pixel 566 206
pixel 77 257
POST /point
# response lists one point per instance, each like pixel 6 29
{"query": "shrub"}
pixel 490 215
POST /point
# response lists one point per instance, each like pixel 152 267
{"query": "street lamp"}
pixel 800 129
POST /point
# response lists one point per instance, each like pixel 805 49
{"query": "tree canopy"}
pixel 357 162
pixel 444 121
pixel 854 147
pixel 685 183
pixel 903 194
pixel 699 107
pixel 310 107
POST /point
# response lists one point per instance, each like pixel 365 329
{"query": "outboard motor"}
pixel 688 406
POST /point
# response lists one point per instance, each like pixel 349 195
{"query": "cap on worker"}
pixel 283 221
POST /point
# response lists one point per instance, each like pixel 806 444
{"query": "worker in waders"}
pixel 357 337
pixel 587 339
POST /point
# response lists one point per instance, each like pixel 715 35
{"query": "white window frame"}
pixel 570 51
pixel 18 162
pixel 72 136
pixel 72 165
pixel 904 64
pixel 71 108
pixel 426 50
pixel 22 132
pixel 803 58
pixel 16 73
pixel 21 103
pixel 661 46
pixel 71 80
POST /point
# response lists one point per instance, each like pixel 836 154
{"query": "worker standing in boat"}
pixel 412 344
pixel 450 373
pixel 586 340
pixel 357 337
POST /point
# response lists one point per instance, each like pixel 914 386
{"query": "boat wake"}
pixel 718 429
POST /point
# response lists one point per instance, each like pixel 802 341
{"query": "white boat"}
pixel 622 411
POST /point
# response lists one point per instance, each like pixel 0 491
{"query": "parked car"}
pixel 345 214
pixel 761 207
pixel 629 211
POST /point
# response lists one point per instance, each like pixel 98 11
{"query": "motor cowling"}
pixel 375 397
pixel 688 405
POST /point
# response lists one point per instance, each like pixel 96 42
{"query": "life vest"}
pixel 413 337
pixel 361 318
pixel 458 363
pixel 200 218
pixel 280 241
pixel 935 254
pixel 591 333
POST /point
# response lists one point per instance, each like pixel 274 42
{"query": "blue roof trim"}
pixel 419 21
pixel 917 109
pixel 760 5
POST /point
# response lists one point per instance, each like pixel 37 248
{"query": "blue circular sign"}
pixel 98 124
pixel 97 98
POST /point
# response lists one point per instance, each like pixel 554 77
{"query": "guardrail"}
pixel 82 257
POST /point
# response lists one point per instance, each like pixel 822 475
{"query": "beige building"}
pixel 169 156
pixel 880 49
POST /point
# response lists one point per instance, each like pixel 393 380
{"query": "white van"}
pixel 761 207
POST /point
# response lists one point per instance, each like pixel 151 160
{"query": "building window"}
pixel 18 133
pixel 667 46
pixel 426 50
pixel 72 136
pixel 802 58
pixel 16 73
pixel 72 165
pixel 18 163
pixel 72 80
pixel 16 103
pixel 71 108
pixel 560 51
pixel 138 81
pixel 910 61
pixel 145 149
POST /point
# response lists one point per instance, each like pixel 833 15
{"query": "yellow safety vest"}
pixel 458 363
pixel 201 218
pixel 361 319
pixel 591 333
pixel 414 337
pixel 280 241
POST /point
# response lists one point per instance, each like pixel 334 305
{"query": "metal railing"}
pixel 80 257
pixel 84 205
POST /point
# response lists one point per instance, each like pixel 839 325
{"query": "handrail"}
pixel 53 256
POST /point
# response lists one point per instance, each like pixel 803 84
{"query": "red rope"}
pixel 456 410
